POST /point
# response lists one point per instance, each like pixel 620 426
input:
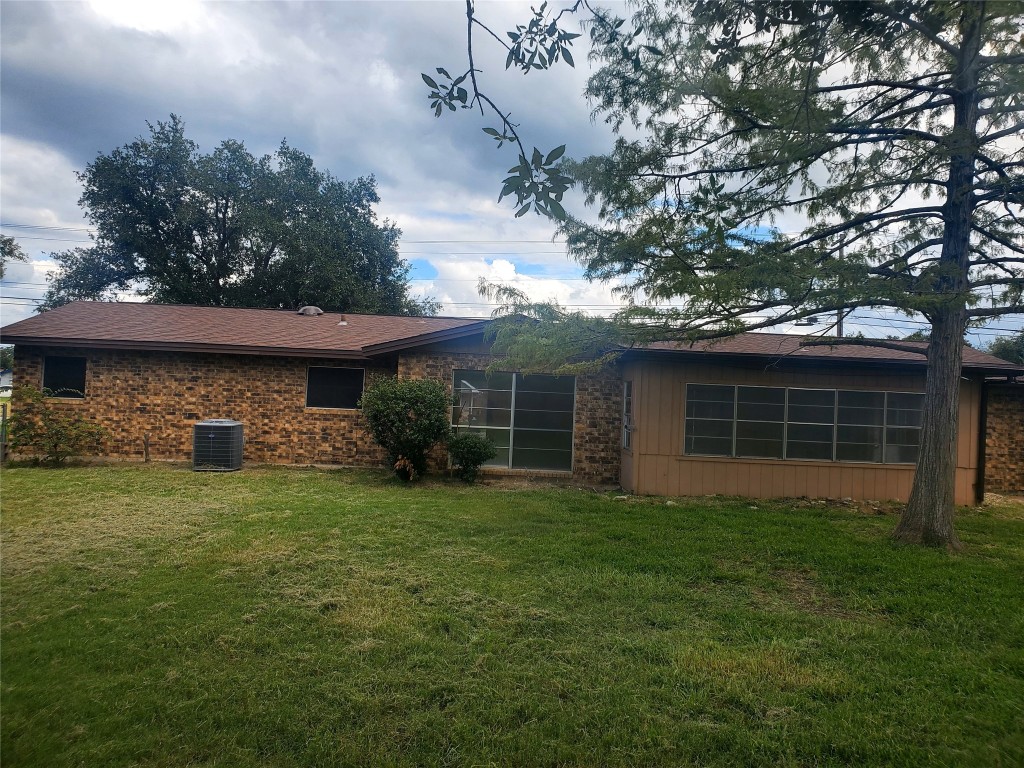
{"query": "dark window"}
pixel 710 416
pixel 861 418
pixel 815 424
pixel 811 415
pixel 64 376
pixel 902 427
pixel 333 387
pixel 760 422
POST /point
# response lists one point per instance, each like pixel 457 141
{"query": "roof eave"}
pixel 229 349
pixel 750 357
pixel 449 334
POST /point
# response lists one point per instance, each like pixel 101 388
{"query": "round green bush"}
pixel 407 417
pixel 469 451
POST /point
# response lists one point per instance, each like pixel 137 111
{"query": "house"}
pixel 755 415
pixel 760 415
pixel 6 382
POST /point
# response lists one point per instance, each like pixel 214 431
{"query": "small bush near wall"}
pixel 407 418
pixel 45 431
pixel 469 452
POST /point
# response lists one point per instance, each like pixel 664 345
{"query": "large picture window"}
pixel 333 387
pixel 528 418
pixel 798 423
pixel 64 376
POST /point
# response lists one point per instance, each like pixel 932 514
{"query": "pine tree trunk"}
pixel 928 518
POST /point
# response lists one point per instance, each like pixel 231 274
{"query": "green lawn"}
pixel 158 617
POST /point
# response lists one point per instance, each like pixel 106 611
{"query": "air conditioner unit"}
pixel 217 445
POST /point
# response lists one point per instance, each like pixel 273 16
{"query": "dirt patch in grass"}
pixel 1008 507
pixel 116 525
pixel 801 590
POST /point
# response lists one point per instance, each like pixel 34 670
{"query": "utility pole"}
pixel 839 313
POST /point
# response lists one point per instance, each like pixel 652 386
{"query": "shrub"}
pixel 48 432
pixel 407 417
pixel 469 451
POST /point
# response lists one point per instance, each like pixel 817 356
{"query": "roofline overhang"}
pixel 365 353
pixel 146 346
pixel 769 361
pixel 449 334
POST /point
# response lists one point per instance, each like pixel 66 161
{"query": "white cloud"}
pixel 149 16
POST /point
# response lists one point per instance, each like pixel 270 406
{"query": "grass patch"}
pixel 155 616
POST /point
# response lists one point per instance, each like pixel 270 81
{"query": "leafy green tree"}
pixel 6 358
pixel 889 132
pixel 10 251
pixel 230 229
pixel 407 417
pixel 1009 348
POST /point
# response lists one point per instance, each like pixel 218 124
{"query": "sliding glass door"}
pixel 528 418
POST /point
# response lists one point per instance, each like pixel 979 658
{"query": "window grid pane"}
pixel 815 424
pixel 710 420
pixel 529 418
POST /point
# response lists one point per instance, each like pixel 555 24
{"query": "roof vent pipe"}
pixel 311 311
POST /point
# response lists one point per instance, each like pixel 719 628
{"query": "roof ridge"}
pixel 267 309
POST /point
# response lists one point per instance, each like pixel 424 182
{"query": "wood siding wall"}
pixel 656 465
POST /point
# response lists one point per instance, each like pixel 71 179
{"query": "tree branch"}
pixel 858 342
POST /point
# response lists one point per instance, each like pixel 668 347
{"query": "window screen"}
pixel 902 427
pixel 860 417
pixel 710 414
pixel 760 421
pixel 64 376
pixel 333 387
pixel 528 418
pixel 797 423
pixel 811 415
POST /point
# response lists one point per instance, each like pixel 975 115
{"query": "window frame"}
pixel 85 378
pixel 627 415
pixel 362 388
pixel 885 426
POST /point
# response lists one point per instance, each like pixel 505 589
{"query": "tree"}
pixel 10 251
pixel 231 229
pixel 1009 348
pixel 890 132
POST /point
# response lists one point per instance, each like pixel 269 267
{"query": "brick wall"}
pixel 598 418
pixel 164 394
pixel 1004 439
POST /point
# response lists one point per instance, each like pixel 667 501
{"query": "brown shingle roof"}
pixel 230 330
pixel 284 332
pixel 776 346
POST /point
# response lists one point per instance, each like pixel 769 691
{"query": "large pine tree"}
pixel 887 132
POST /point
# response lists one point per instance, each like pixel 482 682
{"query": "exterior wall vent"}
pixel 217 445
pixel 310 311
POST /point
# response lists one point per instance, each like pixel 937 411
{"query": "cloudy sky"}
pixel 339 80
